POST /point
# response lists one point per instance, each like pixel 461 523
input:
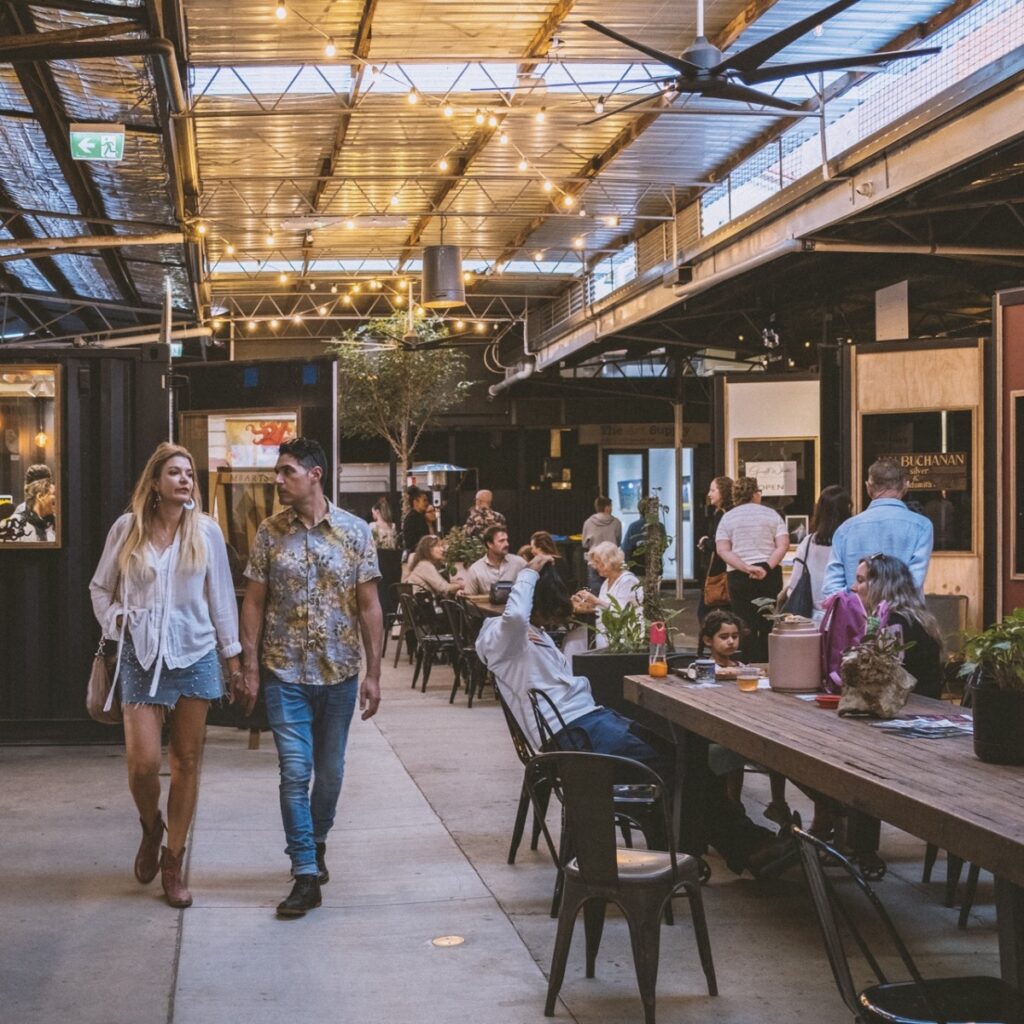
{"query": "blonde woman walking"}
pixel 163 590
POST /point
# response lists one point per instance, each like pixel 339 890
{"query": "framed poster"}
pixel 786 469
pixel 31 489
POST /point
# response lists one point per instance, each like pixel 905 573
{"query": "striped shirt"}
pixel 752 530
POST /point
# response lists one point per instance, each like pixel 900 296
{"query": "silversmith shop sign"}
pixel 934 471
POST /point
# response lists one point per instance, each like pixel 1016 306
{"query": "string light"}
pixel 547 186
pixel 448 110
pixel 478 117
pixel 582 211
pixel 460 325
pixel 375 284
pixel 577 242
pixel 568 201
pixel 201 229
pixel 538 255
pixel 274 324
pixel 346 300
pixel 503 138
pixel 443 164
pixel 492 121
pixel 468 277
pixel 523 165
pixel 356 289
pixel 251 325
pixel 612 220
pixel 41 439
pixel 330 49
pixel 270 238
pixel 599 105
pixel 297 319
pixel 349 225
pixel 229 249
pixel 420 311
pixel 312 286
pixel 413 96
pixel 479 327
pixel 322 310
pixel 394 200
pixel 399 300
pixel 217 323
pixel 281 11
pixel 403 284
pixel 334 289
pixel 283 278
pixel 541 116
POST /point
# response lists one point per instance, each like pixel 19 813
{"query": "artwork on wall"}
pixel 797 526
pixel 30 469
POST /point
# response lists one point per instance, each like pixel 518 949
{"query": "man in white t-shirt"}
pixel 752 540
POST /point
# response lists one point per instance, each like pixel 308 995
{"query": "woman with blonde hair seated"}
pixel 617 582
pixel 425 566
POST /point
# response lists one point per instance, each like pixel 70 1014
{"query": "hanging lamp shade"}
pixel 443 286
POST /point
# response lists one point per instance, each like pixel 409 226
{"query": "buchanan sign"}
pixel 934 471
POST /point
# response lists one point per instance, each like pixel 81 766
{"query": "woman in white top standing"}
pixel 815 550
pixel 752 540
pixel 163 589
pixel 609 562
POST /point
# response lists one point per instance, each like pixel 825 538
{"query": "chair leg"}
pixel 700 931
pixel 543 797
pixel 627 832
pixel 930 853
pixel 644 917
pixel 954 865
pixel 593 926
pixel 970 891
pixel 520 825
pixel 399 644
pixel 428 661
pixel 563 940
pixel 455 683
pixel 419 665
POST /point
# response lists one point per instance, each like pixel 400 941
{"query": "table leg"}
pixel 1010 915
pixel 690 828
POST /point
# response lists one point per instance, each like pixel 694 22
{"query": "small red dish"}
pixel 827 700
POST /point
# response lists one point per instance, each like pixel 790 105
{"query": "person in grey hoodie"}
pixel 601 526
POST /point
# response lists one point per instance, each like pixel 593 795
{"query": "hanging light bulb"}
pixel 568 201
pixel 201 229
pixel 281 11
pixel 399 300
pixel 611 221
pixel 538 255
pixel 274 324
pixel 448 110
pixel 479 327
pixel 492 121
pixel 478 117
pixel 229 249
pixel 312 286
pixel 349 224
pixel 270 238
pixel 503 138
pixel 443 164
pixel 322 310
pixel 394 200
pixel 346 300
pixel 251 325
pixel 297 319
pixel 547 186
pixel 420 311
pixel 599 105
pixel 582 211
pixel 577 242
pixel 334 289
pixel 541 116
pixel 330 49
pixel 523 165
pixel 356 289
pixel 468 277
pixel 282 278
pixel 403 284
pixel 375 284
pixel 460 325
pixel 41 439
pixel 413 97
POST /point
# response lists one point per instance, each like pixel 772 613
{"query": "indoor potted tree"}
pixel 994 663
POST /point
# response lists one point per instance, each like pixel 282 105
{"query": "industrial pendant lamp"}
pixel 443 286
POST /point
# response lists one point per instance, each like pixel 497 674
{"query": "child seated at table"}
pixel 720 636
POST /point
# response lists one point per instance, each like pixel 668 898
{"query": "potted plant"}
pixel 994 664
pixel 461 549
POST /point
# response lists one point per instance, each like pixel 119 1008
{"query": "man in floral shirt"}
pixel 312 592
pixel 482 516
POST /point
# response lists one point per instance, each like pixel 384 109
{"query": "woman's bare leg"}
pixel 188 732
pixel 142 727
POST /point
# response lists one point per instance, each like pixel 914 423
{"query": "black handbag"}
pixel 500 591
pixel 801 599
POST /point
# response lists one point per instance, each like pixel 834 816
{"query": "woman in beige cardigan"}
pixel 425 569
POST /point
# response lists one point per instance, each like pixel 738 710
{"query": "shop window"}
pixel 937 450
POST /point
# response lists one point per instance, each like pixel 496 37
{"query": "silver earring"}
pixel 189 505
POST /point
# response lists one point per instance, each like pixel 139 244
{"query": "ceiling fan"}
pixel 704 70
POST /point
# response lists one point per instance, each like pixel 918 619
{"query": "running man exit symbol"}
pixel 97 141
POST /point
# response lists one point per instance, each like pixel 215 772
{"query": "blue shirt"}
pixel 885 526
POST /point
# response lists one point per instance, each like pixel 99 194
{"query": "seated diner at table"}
pixel 425 565
pixel 517 649
pixel 617 582
pixel 497 564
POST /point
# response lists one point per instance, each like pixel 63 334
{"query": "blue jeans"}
pixel 310 726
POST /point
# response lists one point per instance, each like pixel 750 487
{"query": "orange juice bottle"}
pixel 657 662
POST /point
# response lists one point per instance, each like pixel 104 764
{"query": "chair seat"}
pixel 975 1000
pixel 646 867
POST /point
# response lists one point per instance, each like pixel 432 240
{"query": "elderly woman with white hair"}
pixel 617 582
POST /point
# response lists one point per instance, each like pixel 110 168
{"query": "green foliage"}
pixel 387 390
pixel 997 654
pixel 623 627
pixel 653 548
pixel 461 547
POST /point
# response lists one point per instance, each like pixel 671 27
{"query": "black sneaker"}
pixel 321 864
pixel 305 895
pixel 773 858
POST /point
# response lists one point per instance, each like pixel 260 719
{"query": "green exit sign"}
pixel 97 141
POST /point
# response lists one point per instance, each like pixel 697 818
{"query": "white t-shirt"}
pixel 752 529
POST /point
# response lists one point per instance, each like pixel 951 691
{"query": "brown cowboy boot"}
pixel 171 869
pixel 147 860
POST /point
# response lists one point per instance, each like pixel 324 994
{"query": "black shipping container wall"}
pixel 114 409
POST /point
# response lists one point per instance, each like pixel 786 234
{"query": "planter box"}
pixel 998 725
pixel 605 672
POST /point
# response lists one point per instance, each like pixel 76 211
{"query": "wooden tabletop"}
pixel 484 604
pixel 932 788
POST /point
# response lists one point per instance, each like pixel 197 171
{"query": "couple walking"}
pixel 163 589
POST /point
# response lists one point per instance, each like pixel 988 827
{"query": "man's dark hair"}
pixel 602 503
pixel 551 601
pixel 413 492
pixel 491 532
pixel 307 453
pixel 40 471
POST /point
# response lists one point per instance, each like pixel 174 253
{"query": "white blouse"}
pixel 172 614
pixel 626 590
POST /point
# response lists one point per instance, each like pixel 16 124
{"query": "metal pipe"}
pixel 525 370
pixel 899 248
pixel 697 286
pixel 59 244
pixel 120 342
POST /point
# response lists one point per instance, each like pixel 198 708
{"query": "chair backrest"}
pixel 541 702
pixel 829 909
pixel 417 615
pixel 524 748
pixel 454 614
pixel 586 782
pixel 473 619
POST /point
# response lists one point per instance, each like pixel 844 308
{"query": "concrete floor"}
pixel 418 852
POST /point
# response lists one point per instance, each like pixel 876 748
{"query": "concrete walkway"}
pixel 418 852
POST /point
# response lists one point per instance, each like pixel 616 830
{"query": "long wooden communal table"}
pixel 932 788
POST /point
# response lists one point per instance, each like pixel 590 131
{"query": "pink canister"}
pixel 794 656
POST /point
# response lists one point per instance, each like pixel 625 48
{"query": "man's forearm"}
pixel 371 626
pixel 251 629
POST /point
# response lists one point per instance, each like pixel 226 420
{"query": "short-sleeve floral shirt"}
pixel 310 624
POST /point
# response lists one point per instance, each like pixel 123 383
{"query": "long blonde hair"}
pixel 143 508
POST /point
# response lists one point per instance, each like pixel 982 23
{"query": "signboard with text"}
pixel 97 141
pixel 642 435
pixel 934 471
pixel 777 479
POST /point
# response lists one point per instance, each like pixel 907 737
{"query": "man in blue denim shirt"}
pixel 886 526
pixel 312 596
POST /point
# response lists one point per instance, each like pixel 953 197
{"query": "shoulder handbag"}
pixel 801 599
pixel 716 590
pixel 101 697
pixel 500 591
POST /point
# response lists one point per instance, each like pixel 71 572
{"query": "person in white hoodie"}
pixel 600 527
pixel 516 648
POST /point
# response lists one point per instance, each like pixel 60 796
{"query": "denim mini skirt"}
pixel 202 679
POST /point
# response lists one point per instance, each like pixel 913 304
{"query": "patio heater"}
pixel 437 480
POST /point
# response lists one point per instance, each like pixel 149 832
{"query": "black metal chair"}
pixel 935 1001
pixel 406 637
pixel 640 882
pixel 430 644
pixel 466 662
